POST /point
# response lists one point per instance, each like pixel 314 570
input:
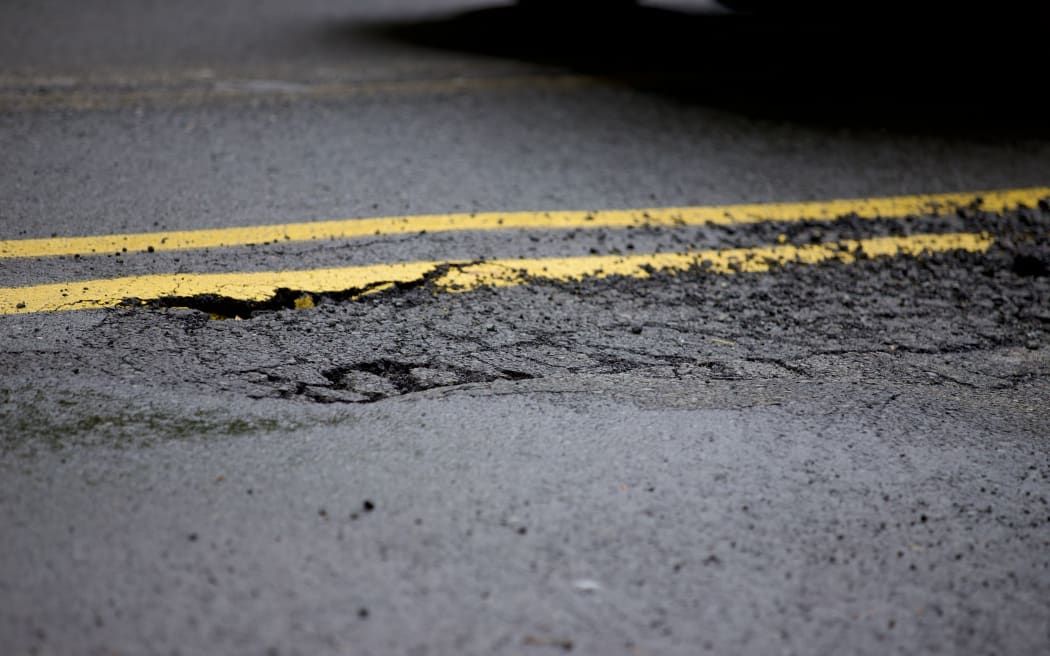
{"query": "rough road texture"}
pixel 753 462
pixel 815 460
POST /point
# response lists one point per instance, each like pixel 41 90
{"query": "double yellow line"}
pixel 465 275
pixel 897 206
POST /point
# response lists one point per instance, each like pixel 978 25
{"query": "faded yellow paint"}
pixel 458 276
pixel 871 208
pixel 182 91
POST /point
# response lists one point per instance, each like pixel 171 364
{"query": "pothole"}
pixel 224 307
pixel 375 380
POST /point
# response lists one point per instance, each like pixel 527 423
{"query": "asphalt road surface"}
pixel 451 328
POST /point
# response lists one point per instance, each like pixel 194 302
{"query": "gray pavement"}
pixel 843 458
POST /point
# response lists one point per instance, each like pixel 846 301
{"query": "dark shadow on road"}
pixel 978 75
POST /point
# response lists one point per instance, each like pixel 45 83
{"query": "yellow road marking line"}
pixel 867 208
pixel 463 276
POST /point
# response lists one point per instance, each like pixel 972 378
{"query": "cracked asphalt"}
pixel 838 457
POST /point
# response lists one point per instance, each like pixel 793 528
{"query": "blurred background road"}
pixel 832 439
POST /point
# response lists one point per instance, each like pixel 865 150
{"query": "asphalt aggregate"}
pixel 844 457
